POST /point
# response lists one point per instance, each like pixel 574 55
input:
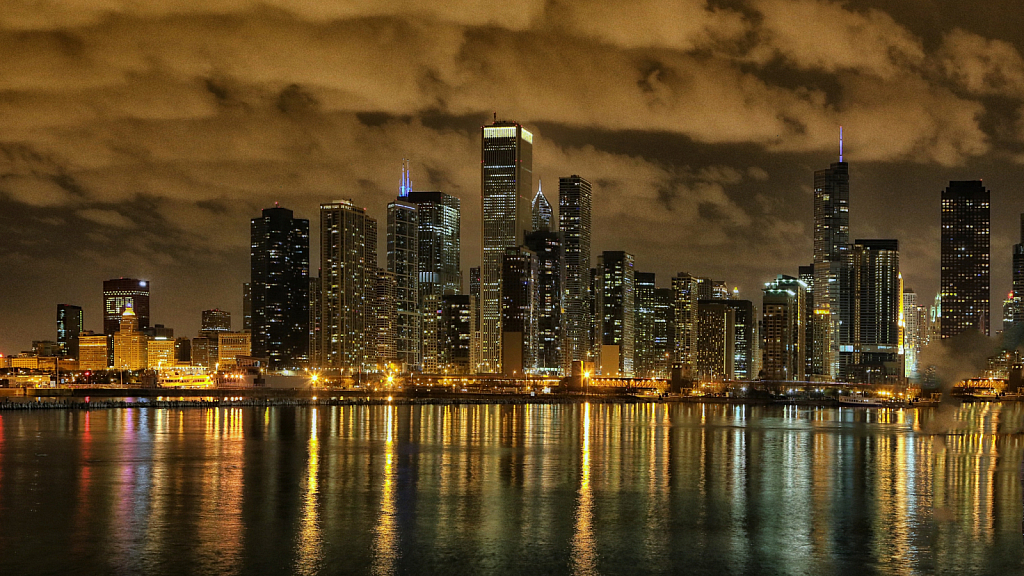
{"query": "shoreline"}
pixel 120 398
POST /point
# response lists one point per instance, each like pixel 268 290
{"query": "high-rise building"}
pixel 403 264
pixel 70 323
pixel 574 219
pixel 203 352
pixel 348 264
pixel 806 274
pixel 384 316
pixel 663 332
pixel 687 291
pixel 279 259
pixel 247 306
pixel 831 237
pixel 1018 278
pixel 519 311
pixel 645 325
pixel 130 345
pixel 506 177
pixel 716 341
pixel 475 338
pixel 547 247
pixel 456 321
pixel 119 293
pixel 541 211
pixel 913 332
pixel 316 322
pixel 871 335
pixel 439 217
pixel 964 278
pixel 784 330
pixel 92 351
pixel 616 312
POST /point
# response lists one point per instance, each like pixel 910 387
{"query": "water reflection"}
pixel 385 541
pixel 582 489
pixel 309 550
pixel 584 554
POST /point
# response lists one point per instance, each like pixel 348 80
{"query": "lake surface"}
pixel 535 489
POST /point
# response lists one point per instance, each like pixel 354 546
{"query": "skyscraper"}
pixel 439 218
pixel 687 291
pixel 475 338
pixel 547 246
pixel 348 264
pixel 831 237
pixel 664 331
pixel 316 322
pixel 279 288
pixel 716 341
pixel 541 211
pixel 645 351
pixel 574 203
pixel 247 306
pixel 456 321
pixel 616 312
pixel 519 311
pixel 806 274
pixel 870 350
pixel 70 323
pixel 403 263
pixel 964 278
pixel 130 350
pixel 1018 278
pixel 506 176
pixel 119 293
pixel 784 330
pixel 384 310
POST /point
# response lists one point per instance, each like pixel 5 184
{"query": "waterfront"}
pixel 560 488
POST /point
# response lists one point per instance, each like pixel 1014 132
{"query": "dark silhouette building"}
pixel 70 323
pixel 279 288
pixel 965 258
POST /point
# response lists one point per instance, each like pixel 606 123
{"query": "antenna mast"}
pixel 840 143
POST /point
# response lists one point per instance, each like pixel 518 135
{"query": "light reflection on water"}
pixel 575 489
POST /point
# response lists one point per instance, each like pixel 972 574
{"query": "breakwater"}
pixel 266 402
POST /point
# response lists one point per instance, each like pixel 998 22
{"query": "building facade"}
pixel 506 178
pixel 831 239
pixel 403 264
pixel 574 222
pixel 279 288
pixel 70 323
pixel 348 276
pixel 547 247
pixel 119 293
pixel 616 312
pixel 784 330
pixel 965 258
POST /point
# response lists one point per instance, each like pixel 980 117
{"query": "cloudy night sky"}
pixel 138 138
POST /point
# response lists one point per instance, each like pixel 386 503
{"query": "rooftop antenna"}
pixel 406 186
pixel 840 143
pixel 495 115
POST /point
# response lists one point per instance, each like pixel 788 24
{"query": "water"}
pixel 559 489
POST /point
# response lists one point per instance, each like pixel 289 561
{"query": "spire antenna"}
pixel 840 143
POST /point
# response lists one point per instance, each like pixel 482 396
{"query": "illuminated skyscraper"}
pixel 831 237
pixel 519 311
pixel 964 279
pixel 506 180
pixel 645 352
pixel 664 331
pixel 439 218
pixel 279 288
pixel 574 204
pixel 130 345
pixel 119 293
pixel 547 246
pixel 456 320
pixel 870 351
pixel 348 264
pixel 70 323
pixel 1018 278
pixel 541 211
pixel 475 352
pixel 616 313
pixel 403 264
pixel 784 330
pixel 687 290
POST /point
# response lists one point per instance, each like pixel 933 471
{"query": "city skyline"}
pixel 142 198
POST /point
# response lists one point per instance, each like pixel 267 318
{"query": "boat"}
pixel 860 401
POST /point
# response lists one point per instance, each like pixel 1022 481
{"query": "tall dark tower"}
pixel 831 239
pixel 279 288
pixel 574 203
pixel 964 279
pixel 1018 277
pixel 120 293
pixel 506 180
pixel 69 327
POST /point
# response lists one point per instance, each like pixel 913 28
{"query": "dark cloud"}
pixel 140 139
